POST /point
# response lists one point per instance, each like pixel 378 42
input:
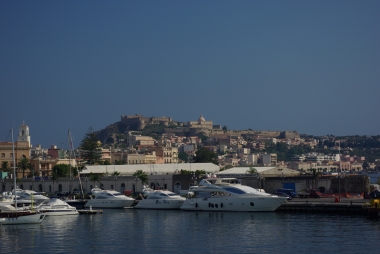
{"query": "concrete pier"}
pixel 327 205
pixel 89 211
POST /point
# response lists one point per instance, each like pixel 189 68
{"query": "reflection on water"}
pixel 155 231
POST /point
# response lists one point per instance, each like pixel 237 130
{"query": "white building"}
pixel 159 169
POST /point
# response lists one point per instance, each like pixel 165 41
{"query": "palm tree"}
pixel 95 178
pixel 139 174
pixel 54 177
pixel 5 166
pixel 252 171
pixel 115 173
pixel 24 164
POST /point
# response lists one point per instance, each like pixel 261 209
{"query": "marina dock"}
pixel 327 205
pixel 90 211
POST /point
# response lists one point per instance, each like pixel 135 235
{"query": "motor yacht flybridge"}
pixel 108 199
pixel 227 194
pixel 161 199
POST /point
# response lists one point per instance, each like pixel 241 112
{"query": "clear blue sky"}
pixel 309 66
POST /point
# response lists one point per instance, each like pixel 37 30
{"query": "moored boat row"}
pixel 221 194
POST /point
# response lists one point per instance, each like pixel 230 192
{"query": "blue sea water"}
pixel 175 231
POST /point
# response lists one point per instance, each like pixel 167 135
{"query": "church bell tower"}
pixel 23 133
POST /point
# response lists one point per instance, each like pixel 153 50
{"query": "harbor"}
pixel 170 231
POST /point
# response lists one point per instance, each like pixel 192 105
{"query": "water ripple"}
pixel 154 231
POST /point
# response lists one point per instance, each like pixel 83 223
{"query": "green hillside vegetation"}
pixel 154 131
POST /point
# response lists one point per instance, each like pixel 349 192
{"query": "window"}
pixel 11 155
pixel 2 155
pixel 234 190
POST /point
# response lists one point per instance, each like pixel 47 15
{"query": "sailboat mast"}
pixel 70 150
pixel 14 168
pixel 76 165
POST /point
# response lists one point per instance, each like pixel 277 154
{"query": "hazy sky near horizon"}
pixel 308 66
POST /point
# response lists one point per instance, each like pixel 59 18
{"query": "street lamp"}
pixel 193 178
pixel 136 179
pixel 71 184
pixel 339 184
pixel 43 185
pixel 282 177
pixel 259 178
pixel 86 180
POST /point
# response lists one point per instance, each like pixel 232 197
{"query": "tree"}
pixel 107 162
pixel 226 167
pixel 115 173
pixel 141 175
pixel 5 166
pixel 91 147
pixel 24 164
pixel 252 171
pixel 120 162
pixel 95 178
pixel 183 156
pixel 61 170
pixel 204 155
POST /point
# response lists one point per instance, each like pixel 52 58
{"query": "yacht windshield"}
pixel 233 190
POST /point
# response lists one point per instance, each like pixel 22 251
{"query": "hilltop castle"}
pixel 138 122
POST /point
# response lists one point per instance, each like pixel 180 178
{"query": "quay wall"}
pixel 177 182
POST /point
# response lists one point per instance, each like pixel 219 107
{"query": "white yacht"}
pixel 7 199
pixel 161 199
pixel 29 195
pixel 227 194
pixel 109 199
pixel 10 216
pixel 56 207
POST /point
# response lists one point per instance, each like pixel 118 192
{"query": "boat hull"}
pixel 159 204
pixel 94 203
pixel 13 218
pixel 60 212
pixel 233 203
pixel 79 204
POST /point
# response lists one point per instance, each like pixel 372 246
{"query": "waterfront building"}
pixel 316 157
pixel 22 148
pixel 302 166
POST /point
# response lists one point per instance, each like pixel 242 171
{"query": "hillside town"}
pixel 171 147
